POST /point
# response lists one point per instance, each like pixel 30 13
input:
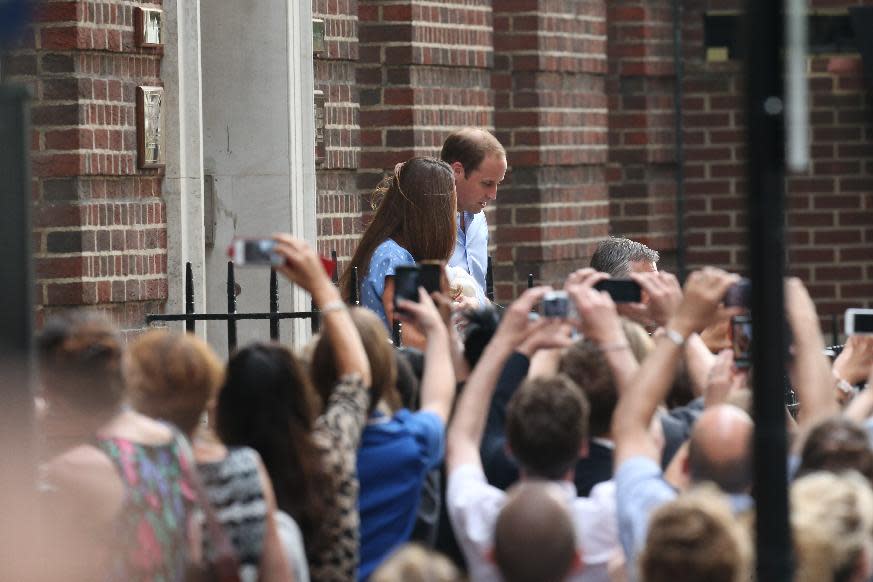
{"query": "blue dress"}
pixel 385 260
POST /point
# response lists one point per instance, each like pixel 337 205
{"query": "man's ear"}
pixel 458 170
pixel 583 449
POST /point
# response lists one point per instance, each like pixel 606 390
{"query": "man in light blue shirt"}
pixel 479 164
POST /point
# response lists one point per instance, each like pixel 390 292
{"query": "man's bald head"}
pixel 720 448
pixel 534 538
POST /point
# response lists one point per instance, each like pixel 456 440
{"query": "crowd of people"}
pixel 608 443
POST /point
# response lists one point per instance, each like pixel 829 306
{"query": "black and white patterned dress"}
pixel 237 497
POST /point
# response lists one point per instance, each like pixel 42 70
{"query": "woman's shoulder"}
pixel 85 481
pixel 390 249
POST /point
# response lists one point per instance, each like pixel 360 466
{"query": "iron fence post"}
pixel 231 308
pixel 274 305
pixel 354 298
pixel 189 297
pixel 489 281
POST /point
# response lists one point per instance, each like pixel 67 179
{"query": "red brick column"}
pixel 641 131
pixel 424 71
pixel 550 113
pixel 99 224
pixel 338 204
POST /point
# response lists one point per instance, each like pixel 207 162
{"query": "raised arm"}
pixel 468 424
pixel 810 370
pixel 438 379
pixel 303 267
pixel 650 385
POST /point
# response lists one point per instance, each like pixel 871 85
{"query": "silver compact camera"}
pixel 555 304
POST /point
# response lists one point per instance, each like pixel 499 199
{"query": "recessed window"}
pixel 828 34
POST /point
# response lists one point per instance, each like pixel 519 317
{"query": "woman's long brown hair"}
pixel 417 211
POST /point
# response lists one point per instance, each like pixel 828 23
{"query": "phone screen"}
pixel 741 340
pixel 254 252
pixel 406 283
pixel 430 276
pixel 621 290
pixel 864 323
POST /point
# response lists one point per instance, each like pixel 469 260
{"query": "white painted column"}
pixel 183 183
pixel 258 146
pixel 301 107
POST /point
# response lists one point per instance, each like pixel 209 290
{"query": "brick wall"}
pixel 99 223
pixel 338 204
pixel 642 162
pixel 830 216
pixel 549 80
pixel 532 71
pixel 424 71
pixel 579 91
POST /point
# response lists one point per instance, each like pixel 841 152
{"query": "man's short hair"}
pixel 696 537
pixel 534 537
pixel 546 425
pixel 584 364
pixel 469 146
pixel 614 255
pixel 837 444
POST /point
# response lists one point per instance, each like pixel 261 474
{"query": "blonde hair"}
pixel 415 563
pixel 696 537
pixel 832 520
pixel 172 376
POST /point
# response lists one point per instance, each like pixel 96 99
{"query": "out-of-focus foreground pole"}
pixel 16 278
pixel 765 125
pixel 16 335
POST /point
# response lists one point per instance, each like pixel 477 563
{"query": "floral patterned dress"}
pixel 152 528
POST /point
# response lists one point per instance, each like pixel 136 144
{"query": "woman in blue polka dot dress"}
pixel 415 221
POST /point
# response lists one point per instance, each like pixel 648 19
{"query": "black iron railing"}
pixel 274 316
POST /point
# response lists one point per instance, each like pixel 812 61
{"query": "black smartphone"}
pixel 406 283
pixel 430 276
pixel 621 290
pixel 739 294
pixel 741 340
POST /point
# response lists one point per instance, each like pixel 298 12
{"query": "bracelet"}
pixel 674 336
pixel 615 347
pixel 335 305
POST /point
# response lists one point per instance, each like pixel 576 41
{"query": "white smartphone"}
pixel 859 321
pixel 253 252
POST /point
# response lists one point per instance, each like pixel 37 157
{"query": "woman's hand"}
pixel 424 315
pixel 303 266
pixel 855 362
